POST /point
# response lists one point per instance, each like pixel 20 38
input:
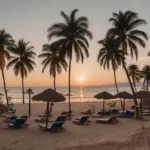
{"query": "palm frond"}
pixel 66 18
pixel 12 62
pixel 136 23
pixel 72 15
pixel 139 33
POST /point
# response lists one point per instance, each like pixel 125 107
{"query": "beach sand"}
pixel 125 135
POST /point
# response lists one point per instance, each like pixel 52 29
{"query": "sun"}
pixel 81 78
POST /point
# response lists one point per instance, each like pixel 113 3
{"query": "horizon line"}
pixel 42 86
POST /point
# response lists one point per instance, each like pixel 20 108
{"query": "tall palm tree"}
pixel 124 28
pixel 53 61
pixel 22 62
pixel 5 41
pixel 110 56
pixel 146 76
pixel 72 37
pixel 135 74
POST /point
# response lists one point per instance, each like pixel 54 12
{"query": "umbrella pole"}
pixel 47 114
pixel 103 104
pixel 51 107
pixel 124 104
pixel 141 108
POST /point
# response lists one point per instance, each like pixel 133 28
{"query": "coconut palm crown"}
pixel 22 61
pixel 125 26
pixel 52 60
pixel 134 73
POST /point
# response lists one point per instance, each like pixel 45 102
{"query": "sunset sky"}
pixel 30 19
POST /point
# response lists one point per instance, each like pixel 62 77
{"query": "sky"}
pixel 30 19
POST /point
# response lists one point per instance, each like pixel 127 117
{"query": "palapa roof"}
pixel 49 95
pixel 143 94
pixel 104 95
pixel 29 91
pixel 124 95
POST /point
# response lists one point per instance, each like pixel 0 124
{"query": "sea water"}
pixel 79 94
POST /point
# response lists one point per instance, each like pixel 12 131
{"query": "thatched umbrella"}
pixel 29 92
pixel 68 94
pixel 105 96
pixel 49 95
pixel 144 96
pixel 125 95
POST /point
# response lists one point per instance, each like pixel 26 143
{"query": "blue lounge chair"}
pixel 81 121
pixel 109 120
pixel 18 123
pixel 127 114
pixel 55 127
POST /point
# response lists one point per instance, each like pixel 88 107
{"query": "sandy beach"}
pixel 125 135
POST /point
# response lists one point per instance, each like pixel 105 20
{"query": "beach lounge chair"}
pixel 146 112
pixel 97 115
pixel 61 118
pixel 11 109
pixel 88 112
pixel 18 123
pixel 40 119
pixel 103 113
pixel 66 113
pixel 127 114
pixel 110 120
pixel 81 121
pixel 10 119
pixel 54 127
pixel 45 114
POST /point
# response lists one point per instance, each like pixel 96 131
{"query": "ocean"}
pixel 79 94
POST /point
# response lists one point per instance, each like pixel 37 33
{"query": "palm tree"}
pixel 53 61
pixel 125 26
pixel 22 62
pixel 146 76
pixel 72 37
pixel 110 55
pixel 5 41
pixel 135 74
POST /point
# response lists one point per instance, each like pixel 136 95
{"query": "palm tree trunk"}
pixel 22 77
pixel 55 83
pixel 47 114
pixel 69 84
pixel 23 90
pixel 132 89
pixel 55 90
pixel 115 78
pixel 129 80
pixel 134 83
pixel 29 105
pixel 147 86
pixel 4 83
